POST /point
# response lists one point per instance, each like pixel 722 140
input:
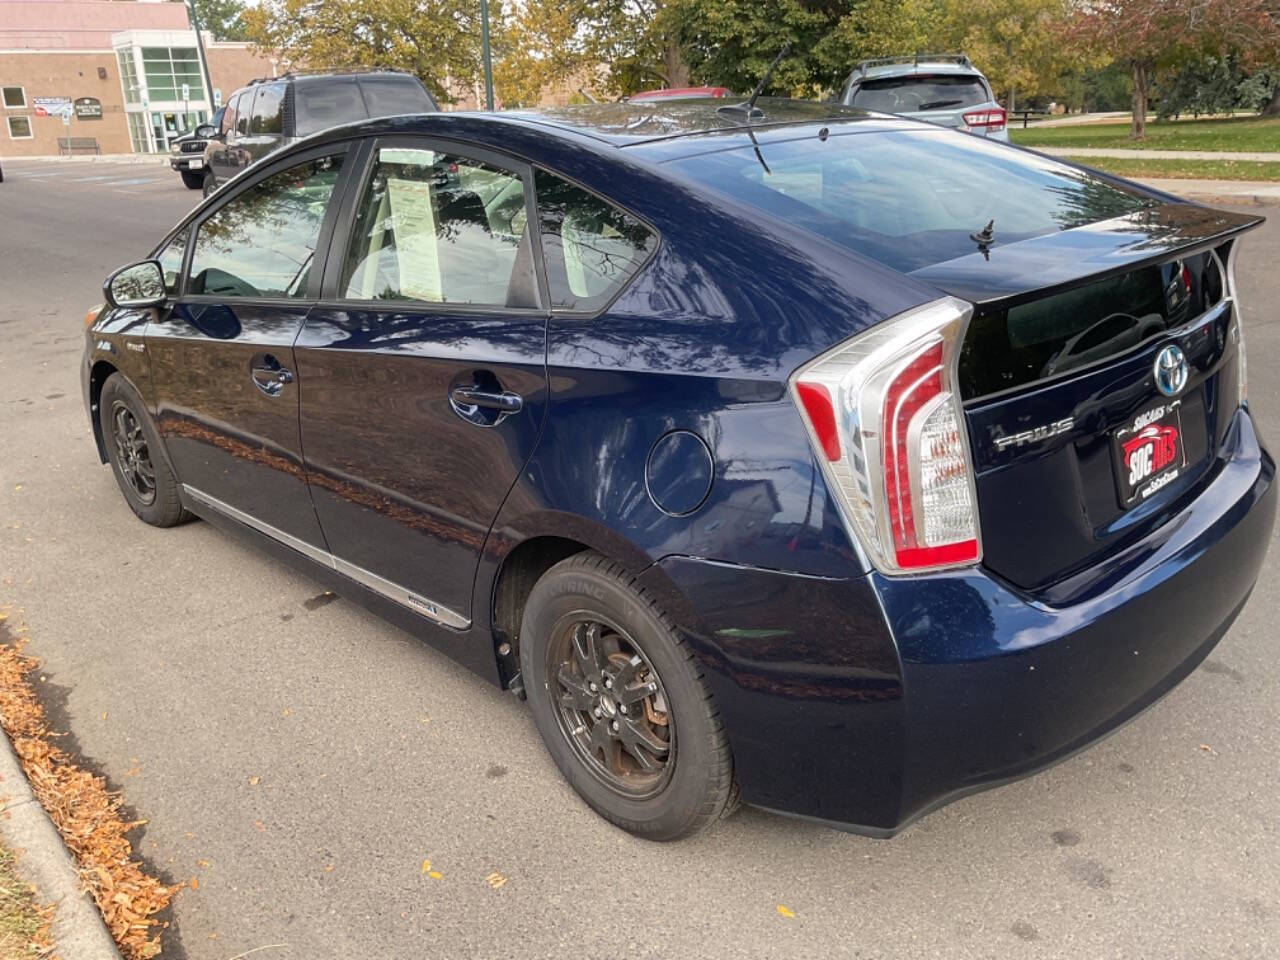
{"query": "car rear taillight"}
pixel 990 120
pixel 1242 371
pixel 884 416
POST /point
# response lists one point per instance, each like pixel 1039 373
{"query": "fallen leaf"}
pixel 426 866
pixel 194 883
pixel 328 868
pixel 495 880
pixel 260 825
pixel 253 781
pixel 786 912
pixel 434 874
pixel 202 863
pixel 284 712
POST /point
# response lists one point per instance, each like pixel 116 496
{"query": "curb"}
pixel 78 929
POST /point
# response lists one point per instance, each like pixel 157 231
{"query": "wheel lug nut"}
pixel 614 725
pixel 594 688
pixel 608 684
pixel 622 709
pixel 595 712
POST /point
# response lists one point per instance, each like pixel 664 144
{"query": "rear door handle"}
pixel 504 401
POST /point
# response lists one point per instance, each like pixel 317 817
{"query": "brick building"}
pixel 113 71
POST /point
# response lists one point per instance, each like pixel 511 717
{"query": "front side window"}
pixel 19 128
pixel 171 262
pixel 14 96
pixel 262 243
pixel 244 108
pixel 268 110
pixel 229 116
pixel 441 229
pixel 591 247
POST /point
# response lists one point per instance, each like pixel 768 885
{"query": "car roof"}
pixel 626 124
pixel 928 68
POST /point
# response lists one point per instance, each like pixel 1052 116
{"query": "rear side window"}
pixel 268 110
pixel 440 228
pixel 261 243
pixel 393 95
pixel 319 106
pixel 916 93
pixel 591 248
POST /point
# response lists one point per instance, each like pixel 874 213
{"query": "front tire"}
pixel 193 181
pixel 621 704
pixel 209 183
pixel 136 456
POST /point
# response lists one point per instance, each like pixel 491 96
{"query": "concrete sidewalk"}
pixel 16 162
pixel 1137 153
pixel 1218 191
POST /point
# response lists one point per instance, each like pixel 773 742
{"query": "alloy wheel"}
pixel 133 455
pixel 611 706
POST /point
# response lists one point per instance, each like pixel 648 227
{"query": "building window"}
pixel 138 132
pixel 19 128
pixel 128 76
pixel 166 69
pixel 14 97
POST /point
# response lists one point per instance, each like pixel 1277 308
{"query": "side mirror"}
pixel 137 285
pixel 206 131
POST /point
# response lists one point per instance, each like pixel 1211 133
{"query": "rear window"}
pixel 1014 346
pixel 910 199
pixel 915 93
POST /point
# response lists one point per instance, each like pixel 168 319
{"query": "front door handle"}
pixel 503 401
pixel 269 375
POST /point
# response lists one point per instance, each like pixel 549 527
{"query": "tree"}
pixel 223 18
pixel 1152 34
pixel 439 40
pixel 1014 41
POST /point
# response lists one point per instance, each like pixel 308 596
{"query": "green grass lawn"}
pixel 1240 133
pixel 1140 167
pixel 21 920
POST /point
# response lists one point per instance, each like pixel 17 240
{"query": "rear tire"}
pixel 136 456
pixel 193 180
pixel 209 183
pixel 621 704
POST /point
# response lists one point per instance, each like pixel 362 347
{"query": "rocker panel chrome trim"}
pixel 380 585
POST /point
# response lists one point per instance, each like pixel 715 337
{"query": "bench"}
pixel 1027 115
pixel 69 145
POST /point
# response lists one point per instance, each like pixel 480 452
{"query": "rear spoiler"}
pixel 1059 261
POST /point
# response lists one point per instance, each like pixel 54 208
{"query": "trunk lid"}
pixel 1078 451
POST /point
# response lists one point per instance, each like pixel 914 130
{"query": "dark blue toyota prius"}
pixel 825 461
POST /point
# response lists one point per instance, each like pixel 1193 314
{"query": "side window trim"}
pixel 235 189
pixel 364 169
pixel 562 313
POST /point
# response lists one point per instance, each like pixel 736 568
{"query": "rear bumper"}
pixel 867 703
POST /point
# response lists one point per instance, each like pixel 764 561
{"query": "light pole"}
pixel 204 61
pixel 488 59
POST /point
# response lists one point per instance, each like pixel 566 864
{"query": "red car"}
pixel 677 93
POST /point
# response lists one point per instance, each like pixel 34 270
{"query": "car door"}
pixel 423 369
pixel 223 373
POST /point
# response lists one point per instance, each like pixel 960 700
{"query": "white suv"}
pixel 946 89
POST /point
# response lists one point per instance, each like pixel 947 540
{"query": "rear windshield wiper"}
pixel 936 104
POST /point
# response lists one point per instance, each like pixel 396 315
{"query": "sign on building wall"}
pixel 88 108
pixel 52 106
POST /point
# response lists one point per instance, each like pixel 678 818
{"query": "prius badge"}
pixel 1171 370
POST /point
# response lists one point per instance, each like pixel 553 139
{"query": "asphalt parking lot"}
pixel 303 759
